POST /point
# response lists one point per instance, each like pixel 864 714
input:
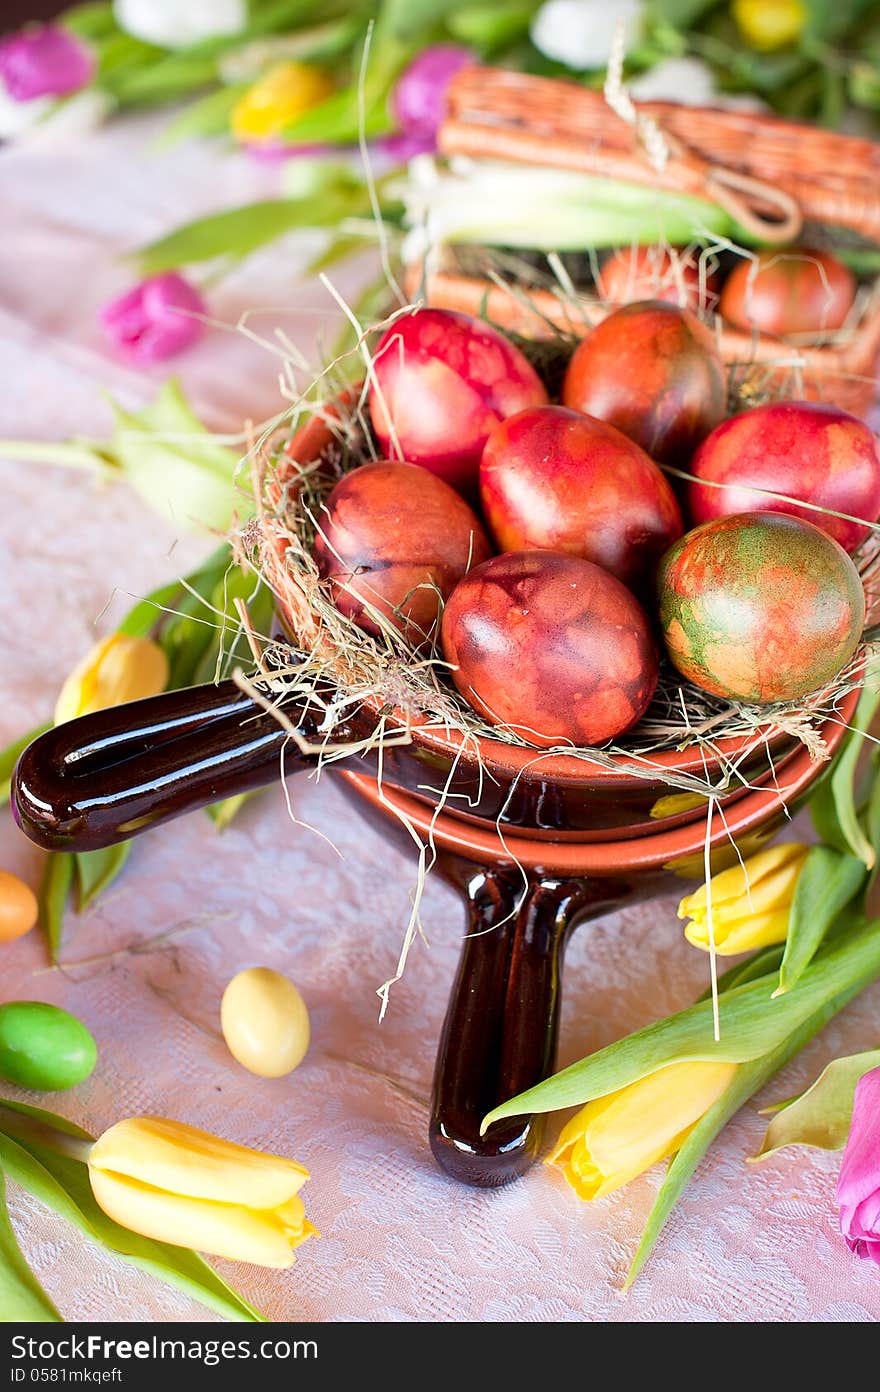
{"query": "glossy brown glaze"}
pixel 110 775
pixel 94 782
pixel 500 1032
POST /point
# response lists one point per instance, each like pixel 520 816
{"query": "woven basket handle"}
pixel 727 188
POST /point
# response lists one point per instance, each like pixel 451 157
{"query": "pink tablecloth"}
pixel 146 966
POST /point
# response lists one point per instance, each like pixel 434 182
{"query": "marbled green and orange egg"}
pixel 759 607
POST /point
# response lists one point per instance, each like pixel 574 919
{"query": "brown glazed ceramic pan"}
pixel 535 842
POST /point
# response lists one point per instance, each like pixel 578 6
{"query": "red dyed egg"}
pixel 397 539
pixel 788 292
pixel 760 607
pixel 803 449
pixel 654 372
pixel 655 273
pixel 442 380
pixel 551 646
pixel 561 481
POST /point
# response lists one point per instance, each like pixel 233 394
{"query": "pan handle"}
pixel 104 777
pixel 502 1022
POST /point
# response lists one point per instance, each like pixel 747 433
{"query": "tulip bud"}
pixel 751 902
pixel 283 93
pixel 770 24
pixel 170 24
pixel 118 669
pixel 614 1138
pixel 174 1183
pixel 581 33
pixel 858 1184
pixel 43 61
pixel 156 319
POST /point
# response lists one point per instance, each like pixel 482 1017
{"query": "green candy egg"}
pixel 43 1047
pixel 759 607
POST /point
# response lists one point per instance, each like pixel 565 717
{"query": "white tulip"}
pixel 688 81
pixel 75 116
pixel 178 23
pixel 580 33
pixel 16 117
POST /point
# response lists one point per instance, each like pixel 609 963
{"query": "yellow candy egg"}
pixel 18 907
pixel 265 1022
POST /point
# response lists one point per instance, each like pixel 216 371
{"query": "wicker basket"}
pixel 768 173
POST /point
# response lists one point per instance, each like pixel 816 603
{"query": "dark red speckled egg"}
pixel 803 449
pixel 656 273
pixel 441 381
pixel 798 291
pixel 551 646
pixel 760 607
pixel 653 370
pixel 560 481
pixel 397 539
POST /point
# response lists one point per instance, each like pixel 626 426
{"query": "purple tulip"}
pixel 44 61
pixel 419 99
pixel 403 146
pixel 858 1185
pixel 156 319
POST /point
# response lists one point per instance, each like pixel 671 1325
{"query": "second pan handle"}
pixel 107 776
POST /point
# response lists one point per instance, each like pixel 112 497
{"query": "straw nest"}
pixel 337 667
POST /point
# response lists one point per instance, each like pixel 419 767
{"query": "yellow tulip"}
pixel 280 95
pixel 769 24
pixel 117 669
pixel 172 1182
pixel 750 902
pixel 615 1138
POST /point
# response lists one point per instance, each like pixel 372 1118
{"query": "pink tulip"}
pixel 419 99
pixel 404 145
pixel 858 1185
pixel 44 61
pixel 156 319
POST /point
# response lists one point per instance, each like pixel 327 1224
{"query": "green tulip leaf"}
pixel 753 1024
pixel 95 870
pixel 165 453
pixel 207 116
pixel 820 1116
pixel 22 1298
pixel 746 1082
pixel 236 232
pixel 833 804
pixel 168 456
pixel 681 14
pixel 62 1183
pixel 9 758
pixel 828 882
pixel 55 888
pixel 767 959
pixel 91 21
pixel 222 813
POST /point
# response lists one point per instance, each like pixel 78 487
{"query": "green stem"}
pixel 71 455
pixel 28 1128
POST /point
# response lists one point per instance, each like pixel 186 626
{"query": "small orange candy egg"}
pixel 18 907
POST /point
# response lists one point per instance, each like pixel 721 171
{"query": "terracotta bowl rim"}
pixel 653 851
